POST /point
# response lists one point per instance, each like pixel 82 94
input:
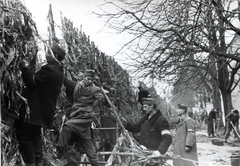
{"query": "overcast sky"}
pixel 80 13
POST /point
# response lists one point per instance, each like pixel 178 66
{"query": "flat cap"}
pixel 182 109
pixel 148 101
pixel 89 73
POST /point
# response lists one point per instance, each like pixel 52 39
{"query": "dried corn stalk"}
pixel 18 34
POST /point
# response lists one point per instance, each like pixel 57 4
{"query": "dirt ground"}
pixel 214 155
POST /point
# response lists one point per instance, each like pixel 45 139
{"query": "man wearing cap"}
pixel 77 129
pixel 232 117
pixel 41 91
pixel 153 128
pixel 185 147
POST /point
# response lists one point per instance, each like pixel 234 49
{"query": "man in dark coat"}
pixel 41 91
pixel 153 128
pixel 185 147
pixel 86 97
pixel 233 117
pixel 211 120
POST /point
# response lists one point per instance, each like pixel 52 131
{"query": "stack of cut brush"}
pixel 20 41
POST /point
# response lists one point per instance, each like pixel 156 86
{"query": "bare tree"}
pixel 170 37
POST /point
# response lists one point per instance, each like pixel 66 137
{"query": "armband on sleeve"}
pixel 190 130
pixel 165 132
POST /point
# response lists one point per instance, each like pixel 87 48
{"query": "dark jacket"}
pixel 233 118
pixel 150 132
pixel 212 115
pixel 42 91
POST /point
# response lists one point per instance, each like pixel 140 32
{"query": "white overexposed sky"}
pixel 80 13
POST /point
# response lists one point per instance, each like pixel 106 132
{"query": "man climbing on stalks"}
pixel 77 129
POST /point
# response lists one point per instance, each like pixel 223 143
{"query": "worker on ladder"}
pixel 77 129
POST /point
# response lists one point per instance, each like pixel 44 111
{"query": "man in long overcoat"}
pixel 41 91
pixel 77 129
pixel 185 147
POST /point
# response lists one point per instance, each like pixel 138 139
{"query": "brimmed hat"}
pixel 182 109
pixel 59 52
pixel 148 101
pixel 89 73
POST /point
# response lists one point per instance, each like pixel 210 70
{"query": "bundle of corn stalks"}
pixel 19 41
pixel 83 54
pixel 17 33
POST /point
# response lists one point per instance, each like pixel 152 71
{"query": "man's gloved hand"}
pixel 187 149
pixel 156 153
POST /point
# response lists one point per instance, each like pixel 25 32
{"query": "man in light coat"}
pixel 77 129
pixel 185 147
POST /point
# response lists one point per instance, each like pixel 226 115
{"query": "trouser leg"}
pixel 210 128
pixel 24 133
pixel 90 150
pixel 227 133
pixel 38 143
pixel 65 136
pixel 64 139
pixel 27 151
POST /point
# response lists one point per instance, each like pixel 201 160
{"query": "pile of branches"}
pixel 18 32
pixel 83 54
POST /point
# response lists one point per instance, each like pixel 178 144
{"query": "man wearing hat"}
pixel 41 90
pixel 153 128
pixel 232 120
pixel 185 147
pixel 77 129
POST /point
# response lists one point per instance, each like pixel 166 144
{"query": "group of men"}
pixel 42 89
pixel 156 135
pixel 232 122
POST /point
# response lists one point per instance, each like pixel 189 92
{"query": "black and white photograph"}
pixel 120 82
